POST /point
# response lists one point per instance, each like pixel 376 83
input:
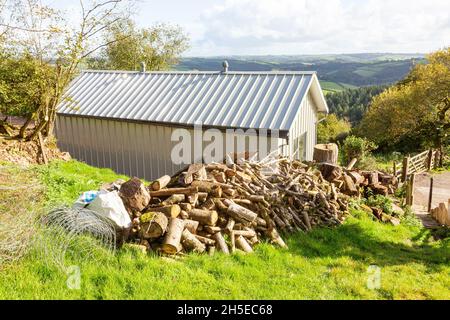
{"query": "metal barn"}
pixel 126 120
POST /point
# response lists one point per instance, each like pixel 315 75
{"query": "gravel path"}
pixel 441 189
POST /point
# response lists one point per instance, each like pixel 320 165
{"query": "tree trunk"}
pixel 172 239
pixel 184 215
pixel 220 243
pixel 242 244
pixel 192 198
pixel 171 211
pixel 208 217
pixel 173 199
pixel 326 153
pixel 202 196
pixel 205 240
pixel 134 195
pixel 207 186
pixel 195 171
pixel 211 229
pixel 352 164
pixel 42 148
pixel 191 225
pixel 24 127
pixel 245 233
pixel 230 225
pixel 171 191
pixel 41 123
pixel 154 228
pixel 185 206
pixel 330 171
pixel 191 243
pixel 211 250
pixel 273 234
pixel 160 183
pixel 50 123
pixel 350 187
pixel 240 213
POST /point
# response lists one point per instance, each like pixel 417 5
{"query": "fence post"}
pixel 430 159
pixel 405 168
pixel 436 159
pixel 413 182
pixel 430 197
pixel 410 190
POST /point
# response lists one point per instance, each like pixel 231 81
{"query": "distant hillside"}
pixel 335 71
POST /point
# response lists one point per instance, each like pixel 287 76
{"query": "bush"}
pixel 410 219
pixel 332 129
pixel 25 84
pixel 381 202
pixel 368 163
pixel 356 147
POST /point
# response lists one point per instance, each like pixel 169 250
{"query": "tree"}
pixel 332 129
pixel 416 111
pixel 24 84
pixel 40 42
pixel 158 47
pixel 351 104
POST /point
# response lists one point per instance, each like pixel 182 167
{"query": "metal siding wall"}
pixel 134 149
pixel 305 122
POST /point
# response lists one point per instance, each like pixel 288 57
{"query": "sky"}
pixel 292 27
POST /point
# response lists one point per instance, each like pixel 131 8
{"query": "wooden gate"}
pixel 422 162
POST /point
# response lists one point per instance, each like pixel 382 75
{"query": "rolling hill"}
pixel 336 72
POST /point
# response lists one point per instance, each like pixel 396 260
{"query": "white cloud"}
pixel 322 26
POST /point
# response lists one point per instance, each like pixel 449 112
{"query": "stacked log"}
pixel 353 182
pixel 442 213
pixel 229 208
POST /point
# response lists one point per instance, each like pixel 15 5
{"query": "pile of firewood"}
pixel 230 207
pixel 354 182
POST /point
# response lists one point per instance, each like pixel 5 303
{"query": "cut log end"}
pixel 326 153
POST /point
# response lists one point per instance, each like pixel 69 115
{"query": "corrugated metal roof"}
pixel 257 100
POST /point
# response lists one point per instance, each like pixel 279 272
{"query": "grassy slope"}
pixel 330 87
pixel 323 264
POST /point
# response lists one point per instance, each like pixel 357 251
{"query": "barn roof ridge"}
pixel 251 99
pixel 209 72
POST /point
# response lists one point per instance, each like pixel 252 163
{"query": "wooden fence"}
pixel 422 162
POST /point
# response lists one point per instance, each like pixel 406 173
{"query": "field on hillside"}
pixel 329 87
pixel 324 264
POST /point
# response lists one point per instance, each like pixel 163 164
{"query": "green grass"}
pixel 385 161
pixel 329 87
pixel 324 264
pixel 65 181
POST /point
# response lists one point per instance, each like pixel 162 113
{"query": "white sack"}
pixel 110 205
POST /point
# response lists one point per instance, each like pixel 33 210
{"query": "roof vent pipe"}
pixel 143 67
pixel 225 66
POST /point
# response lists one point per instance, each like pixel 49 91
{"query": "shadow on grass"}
pixel 351 240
